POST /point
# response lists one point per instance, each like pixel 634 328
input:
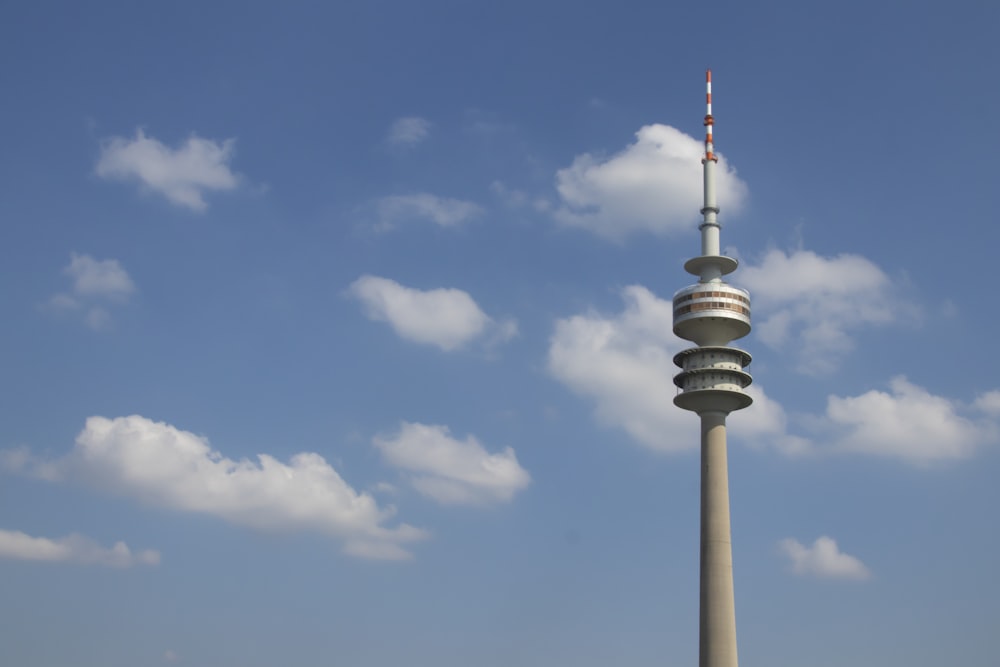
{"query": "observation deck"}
pixel 711 314
pixel 712 378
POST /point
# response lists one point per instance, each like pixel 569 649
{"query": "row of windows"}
pixel 710 295
pixel 711 383
pixel 711 305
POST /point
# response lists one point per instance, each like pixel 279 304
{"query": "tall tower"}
pixel 711 314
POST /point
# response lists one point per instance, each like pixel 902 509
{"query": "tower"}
pixel 711 314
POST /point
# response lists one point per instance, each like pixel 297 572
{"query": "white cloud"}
pixel 453 472
pixel 653 185
pixel 823 559
pixel 503 331
pixel 71 549
pixel 162 466
pixel 442 211
pixel 408 131
pixel 989 403
pixel 911 424
pixel 811 304
pixel 625 364
pixel 446 317
pixel 765 424
pixel 95 284
pixel 99 278
pixel 182 175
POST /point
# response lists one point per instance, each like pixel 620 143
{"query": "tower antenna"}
pixel 709 121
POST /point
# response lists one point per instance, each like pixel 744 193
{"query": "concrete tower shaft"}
pixel 717 611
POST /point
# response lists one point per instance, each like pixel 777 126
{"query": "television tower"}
pixel 711 314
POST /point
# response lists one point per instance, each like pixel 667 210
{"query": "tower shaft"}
pixel 717 608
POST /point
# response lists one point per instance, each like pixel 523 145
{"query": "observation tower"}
pixel 711 314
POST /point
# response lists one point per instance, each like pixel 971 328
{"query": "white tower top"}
pixel 711 313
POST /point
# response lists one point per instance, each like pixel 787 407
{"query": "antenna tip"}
pixel 708 75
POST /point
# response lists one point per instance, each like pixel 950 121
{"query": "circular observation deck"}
pixel 711 314
pixel 712 378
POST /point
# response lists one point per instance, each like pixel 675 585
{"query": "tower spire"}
pixel 711 265
pixel 709 121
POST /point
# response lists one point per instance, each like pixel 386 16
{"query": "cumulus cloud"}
pixel 408 131
pixel 451 471
pixel 96 285
pixel 989 403
pixel 446 317
pixel 625 365
pixel 812 304
pixel 765 424
pixel 823 559
pixel 99 278
pixel 911 424
pixel 653 185
pixel 395 209
pixel 162 466
pixel 182 174
pixel 71 549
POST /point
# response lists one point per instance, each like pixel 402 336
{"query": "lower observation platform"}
pixel 712 378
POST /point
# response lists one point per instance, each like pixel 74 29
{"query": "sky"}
pixel 340 333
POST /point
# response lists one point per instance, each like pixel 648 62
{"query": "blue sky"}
pixel 339 333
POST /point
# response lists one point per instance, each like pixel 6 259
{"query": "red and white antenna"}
pixel 709 121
